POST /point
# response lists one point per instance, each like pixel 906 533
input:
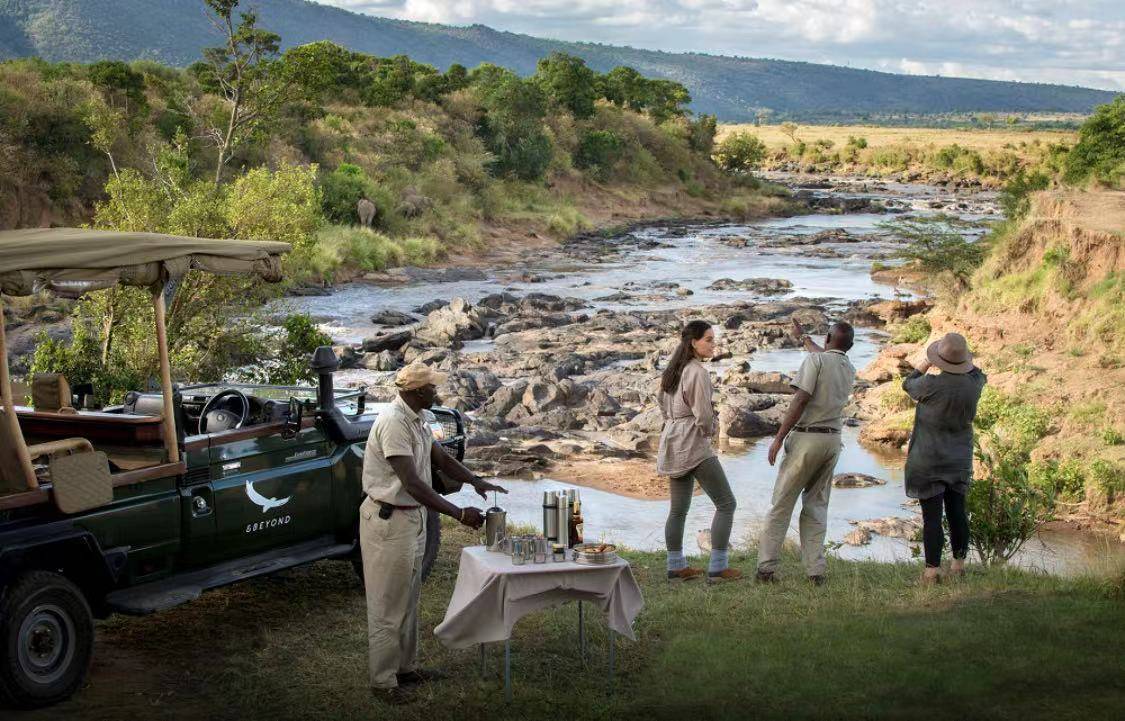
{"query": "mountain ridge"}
pixel 733 87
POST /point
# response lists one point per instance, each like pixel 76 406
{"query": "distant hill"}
pixel 174 31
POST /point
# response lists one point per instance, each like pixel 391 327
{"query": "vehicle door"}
pixel 271 488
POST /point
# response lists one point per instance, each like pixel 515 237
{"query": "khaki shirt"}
pixel 398 431
pixel 689 423
pixel 827 377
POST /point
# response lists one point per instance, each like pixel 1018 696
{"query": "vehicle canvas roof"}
pixel 72 261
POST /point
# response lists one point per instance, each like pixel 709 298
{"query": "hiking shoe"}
pixel 926 580
pixel 684 574
pixel 397 696
pixel 818 580
pixel 727 574
pixel 418 676
pixel 766 577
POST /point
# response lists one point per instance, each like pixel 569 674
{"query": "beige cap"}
pixel 417 375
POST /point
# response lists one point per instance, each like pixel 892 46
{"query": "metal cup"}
pixel 518 550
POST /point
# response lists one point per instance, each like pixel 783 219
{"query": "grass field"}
pixel 1001 644
pixel 979 140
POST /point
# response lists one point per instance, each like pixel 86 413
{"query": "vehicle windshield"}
pixel 346 398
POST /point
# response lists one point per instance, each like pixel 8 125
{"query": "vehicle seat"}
pixel 15 473
pixel 143 404
pixel 50 393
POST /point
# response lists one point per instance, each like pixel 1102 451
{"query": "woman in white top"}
pixel 686 454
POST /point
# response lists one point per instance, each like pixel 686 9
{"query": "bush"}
pixel 598 151
pixel 1005 509
pixel 739 152
pixel 914 330
pixel 299 338
pixel 342 189
pixel 1015 197
pixel 1100 151
pixel 1020 424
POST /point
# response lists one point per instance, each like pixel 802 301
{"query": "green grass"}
pixel 1002 644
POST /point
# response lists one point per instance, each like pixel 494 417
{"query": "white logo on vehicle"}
pixel 265 503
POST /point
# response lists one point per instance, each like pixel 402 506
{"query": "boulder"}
pixel 542 395
pixel 448 326
pixel 891 527
pixel 348 356
pixel 741 422
pixel 427 308
pixel 387 360
pixel 893 311
pixel 858 537
pixel 504 399
pixel 387 341
pixel 759 381
pixel 393 318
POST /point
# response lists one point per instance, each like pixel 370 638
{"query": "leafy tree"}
pixel 624 87
pixel 1005 509
pixel 567 82
pixel 668 100
pixel 244 73
pixel 701 137
pixel 122 86
pixel 1100 151
pixel 937 245
pixel 740 151
pixel 321 69
pixel 512 125
pixel 790 130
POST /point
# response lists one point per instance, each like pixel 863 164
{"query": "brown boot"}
pixel 727 574
pixel 684 574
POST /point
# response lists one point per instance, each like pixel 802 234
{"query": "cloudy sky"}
pixel 1056 41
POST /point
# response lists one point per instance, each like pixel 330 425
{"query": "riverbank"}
pixel 1003 644
pixel 957 157
pixel 1044 317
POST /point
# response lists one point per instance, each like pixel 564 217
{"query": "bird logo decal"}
pixel 265 503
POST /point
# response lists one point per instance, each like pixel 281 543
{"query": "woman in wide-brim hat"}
pixel 939 463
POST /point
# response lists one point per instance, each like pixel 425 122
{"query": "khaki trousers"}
pixel 806 471
pixel 392 575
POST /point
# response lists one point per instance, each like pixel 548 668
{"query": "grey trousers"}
pixel 806 471
pixel 392 576
pixel 713 480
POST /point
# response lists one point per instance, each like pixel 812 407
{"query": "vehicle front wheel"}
pixel 47 640
pixel 433 545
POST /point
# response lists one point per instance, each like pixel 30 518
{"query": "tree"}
pixel 568 83
pixel 342 190
pixel 598 151
pixel 244 74
pixel 1100 151
pixel 739 152
pixel 790 131
pixel 512 126
pixel 668 99
pixel 937 245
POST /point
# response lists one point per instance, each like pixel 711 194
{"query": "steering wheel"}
pixel 214 419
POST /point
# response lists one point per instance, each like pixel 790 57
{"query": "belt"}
pixel 815 429
pixel 393 507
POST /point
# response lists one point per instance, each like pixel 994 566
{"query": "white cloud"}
pixel 1064 41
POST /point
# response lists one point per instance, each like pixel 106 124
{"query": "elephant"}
pixel 367 212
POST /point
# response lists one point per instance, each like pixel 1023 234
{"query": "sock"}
pixel 676 560
pixel 719 560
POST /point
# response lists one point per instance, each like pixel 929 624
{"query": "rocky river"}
pixel 555 361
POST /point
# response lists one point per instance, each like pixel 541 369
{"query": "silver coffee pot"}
pixel 495 526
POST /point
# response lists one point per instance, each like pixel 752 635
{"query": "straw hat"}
pixel 416 375
pixel 951 353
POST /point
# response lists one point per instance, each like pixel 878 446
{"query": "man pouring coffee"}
pixel 397 468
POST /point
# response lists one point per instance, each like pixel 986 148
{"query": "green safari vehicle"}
pixel 140 507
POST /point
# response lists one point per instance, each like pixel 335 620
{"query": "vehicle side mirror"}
pixel 293 420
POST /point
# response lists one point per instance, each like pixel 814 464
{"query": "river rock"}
pixel 387 360
pixel 856 480
pixel 504 399
pixel 427 308
pixel 891 363
pixel 891 527
pixel 741 422
pixel 542 395
pixel 347 356
pixel 387 341
pixel 467 390
pixel 761 286
pixel 858 537
pixel 893 311
pixel 392 318
pixel 448 326
pixel 758 381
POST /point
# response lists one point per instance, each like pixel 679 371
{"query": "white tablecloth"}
pixel 492 594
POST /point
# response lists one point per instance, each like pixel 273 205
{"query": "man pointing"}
pixel 397 469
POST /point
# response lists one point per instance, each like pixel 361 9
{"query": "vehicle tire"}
pixel 433 545
pixel 46 640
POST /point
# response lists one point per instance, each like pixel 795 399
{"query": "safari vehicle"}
pixel 139 507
